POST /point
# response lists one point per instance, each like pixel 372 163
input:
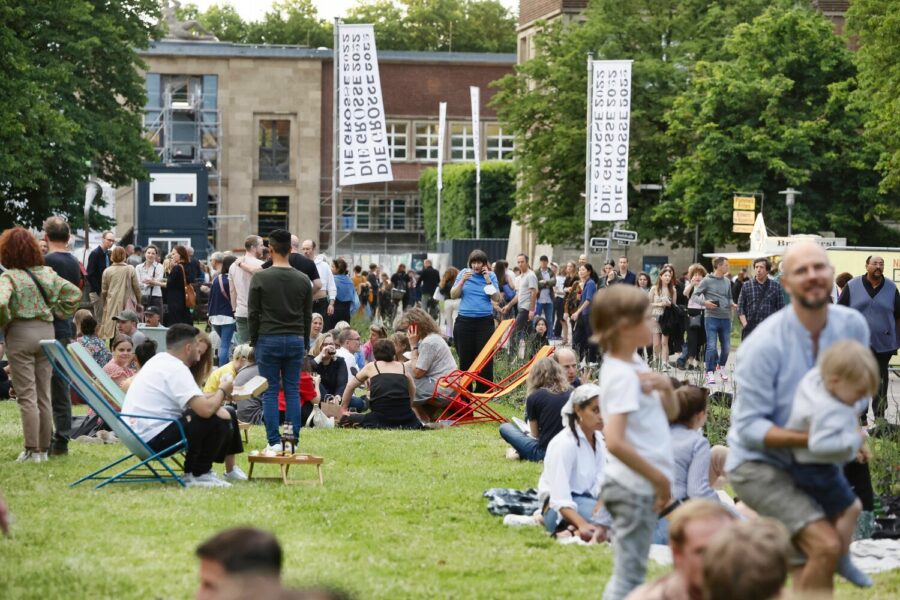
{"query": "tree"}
pixel 292 22
pixel 774 113
pixel 387 17
pixel 544 101
pixel 71 103
pixel 498 186
pixel 876 25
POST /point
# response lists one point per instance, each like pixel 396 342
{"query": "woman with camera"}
pixel 329 366
pixel 475 287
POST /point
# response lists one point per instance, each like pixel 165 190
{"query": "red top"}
pixel 307 391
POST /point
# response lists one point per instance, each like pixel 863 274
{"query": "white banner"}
pixel 475 93
pixel 442 126
pixel 609 134
pixel 364 154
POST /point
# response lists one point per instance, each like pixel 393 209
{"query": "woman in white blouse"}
pixel 573 471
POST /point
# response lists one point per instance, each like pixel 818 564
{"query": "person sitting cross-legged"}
pixel 548 392
pixel 430 359
pixel 164 387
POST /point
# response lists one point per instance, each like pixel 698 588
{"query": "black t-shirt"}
pixel 544 407
pixel 430 279
pixel 67 267
pixel 300 263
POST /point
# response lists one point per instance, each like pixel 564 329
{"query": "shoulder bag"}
pixel 190 296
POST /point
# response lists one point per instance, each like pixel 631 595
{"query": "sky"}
pixel 253 10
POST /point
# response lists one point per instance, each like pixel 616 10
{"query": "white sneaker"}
pixel 43 457
pixel 186 478
pixel 511 454
pixel 208 479
pixel 274 448
pixel 236 474
pixel 29 456
pixel 710 378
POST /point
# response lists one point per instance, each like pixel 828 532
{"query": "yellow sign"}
pixel 743 217
pixel 742 228
pixel 744 203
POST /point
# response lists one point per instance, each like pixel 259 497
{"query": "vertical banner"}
pixel 609 132
pixel 442 126
pixel 475 93
pixel 364 154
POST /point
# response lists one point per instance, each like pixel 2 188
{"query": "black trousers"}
pixel 61 403
pixel 341 313
pixel 321 307
pixel 879 402
pixel 860 479
pixel 209 440
pixel 470 334
pixel 559 305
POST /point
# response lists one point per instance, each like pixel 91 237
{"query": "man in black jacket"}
pixel 98 260
pixel 429 279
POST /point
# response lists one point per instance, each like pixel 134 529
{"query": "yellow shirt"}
pixel 212 382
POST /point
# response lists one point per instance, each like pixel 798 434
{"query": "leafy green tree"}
pixel 774 113
pixel 544 101
pixel 876 26
pixel 388 18
pixel 224 22
pixel 498 186
pixel 292 22
pixel 71 102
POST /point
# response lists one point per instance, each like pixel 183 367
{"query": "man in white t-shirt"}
pixel 239 285
pixel 165 388
pixel 526 298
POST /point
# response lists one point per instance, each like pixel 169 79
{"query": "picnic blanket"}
pixel 507 501
pixel 876 556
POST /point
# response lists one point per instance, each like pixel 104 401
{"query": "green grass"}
pixel 400 516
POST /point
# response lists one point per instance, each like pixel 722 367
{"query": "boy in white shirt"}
pixel 828 403
pixel 637 405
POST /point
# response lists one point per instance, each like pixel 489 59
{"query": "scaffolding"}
pixel 187 129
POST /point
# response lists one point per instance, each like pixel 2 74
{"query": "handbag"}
pixel 319 419
pixel 190 296
pixel 695 321
pixel 397 294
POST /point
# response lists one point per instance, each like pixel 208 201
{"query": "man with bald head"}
pixel 877 298
pixel 568 360
pixel 770 364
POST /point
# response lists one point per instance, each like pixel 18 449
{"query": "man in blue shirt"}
pixel 770 364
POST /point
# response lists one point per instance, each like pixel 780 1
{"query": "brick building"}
pixel 259 118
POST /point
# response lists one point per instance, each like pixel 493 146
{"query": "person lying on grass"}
pixel 574 470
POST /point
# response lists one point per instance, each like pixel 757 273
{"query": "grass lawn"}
pixel 400 516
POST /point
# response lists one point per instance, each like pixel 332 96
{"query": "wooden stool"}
pixel 245 428
pixel 285 461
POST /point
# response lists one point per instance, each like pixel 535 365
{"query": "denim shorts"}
pixel 826 484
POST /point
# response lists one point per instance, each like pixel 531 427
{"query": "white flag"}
pixel 609 134
pixel 442 125
pixel 364 153
pixel 475 92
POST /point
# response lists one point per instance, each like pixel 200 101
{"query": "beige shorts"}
pixel 771 492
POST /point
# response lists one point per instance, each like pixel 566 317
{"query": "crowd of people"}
pixel 624 457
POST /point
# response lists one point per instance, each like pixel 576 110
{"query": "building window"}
pixel 391 215
pixel 397 138
pixel 274 150
pixel 273 214
pixel 173 189
pixel 462 142
pixel 499 143
pixel 427 141
pixel 166 245
pixel 355 215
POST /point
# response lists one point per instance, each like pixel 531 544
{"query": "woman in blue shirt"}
pixel 220 313
pixel 475 324
pixel 347 300
pixel 581 317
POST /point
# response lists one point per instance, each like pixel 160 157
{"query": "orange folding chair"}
pixel 465 406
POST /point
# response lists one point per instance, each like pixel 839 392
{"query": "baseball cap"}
pixel 126 315
pixel 152 310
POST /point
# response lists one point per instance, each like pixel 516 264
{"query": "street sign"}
pixel 623 243
pixel 624 235
pixel 743 217
pixel 599 245
pixel 742 228
pixel 744 203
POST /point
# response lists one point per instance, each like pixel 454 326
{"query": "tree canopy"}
pixel 426 25
pixel 71 102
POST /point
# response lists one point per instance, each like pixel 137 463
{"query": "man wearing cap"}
pixel 152 316
pixel 126 323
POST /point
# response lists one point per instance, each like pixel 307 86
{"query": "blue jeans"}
pixel 226 334
pixel 527 447
pixel 634 522
pixel 279 358
pixel 584 505
pixel 722 329
pixel 546 310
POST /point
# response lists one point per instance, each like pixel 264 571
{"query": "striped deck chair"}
pixel 469 407
pixel 151 466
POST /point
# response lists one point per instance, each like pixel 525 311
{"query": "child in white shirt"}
pixel 636 405
pixel 828 403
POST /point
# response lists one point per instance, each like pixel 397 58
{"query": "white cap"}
pixel 582 395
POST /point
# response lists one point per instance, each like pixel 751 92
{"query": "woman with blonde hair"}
pixel 548 391
pixel 120 291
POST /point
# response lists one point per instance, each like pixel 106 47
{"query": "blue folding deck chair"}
pixel 151 466
pixel 106 384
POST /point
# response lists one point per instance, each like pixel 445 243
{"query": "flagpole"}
pixel 335 168
pixel 587 159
